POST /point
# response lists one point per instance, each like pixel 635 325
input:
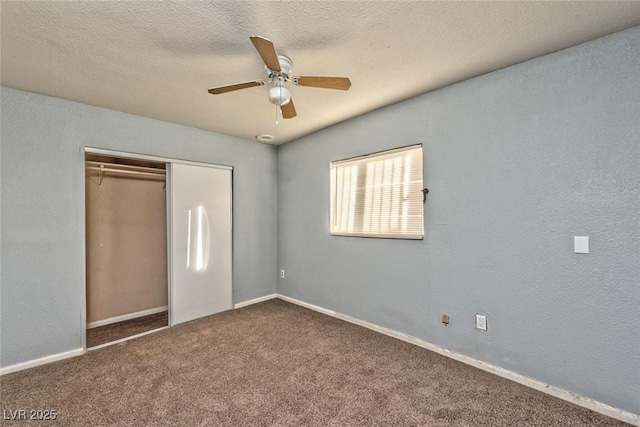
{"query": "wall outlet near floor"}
pixel 282 274
pixel 481 322
pixel 445 319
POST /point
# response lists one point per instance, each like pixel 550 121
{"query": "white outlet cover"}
pixel 581 244
pixel 481 322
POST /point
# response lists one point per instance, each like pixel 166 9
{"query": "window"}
pixel 378 195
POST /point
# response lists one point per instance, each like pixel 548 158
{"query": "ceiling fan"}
pixel 278 69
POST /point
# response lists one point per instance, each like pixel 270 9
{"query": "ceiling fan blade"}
pixel 267 52
pixel 238 86
pixel 288 110
pixel 341 83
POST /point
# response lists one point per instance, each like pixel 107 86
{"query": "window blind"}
pixel 379 195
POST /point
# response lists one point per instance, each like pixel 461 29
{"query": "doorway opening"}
pixel 127 291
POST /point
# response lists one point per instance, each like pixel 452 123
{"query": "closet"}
pixel 158 243
pixel 126 248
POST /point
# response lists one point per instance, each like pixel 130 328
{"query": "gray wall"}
pixel 518 162
pixel 42 177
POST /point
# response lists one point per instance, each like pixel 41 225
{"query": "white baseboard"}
pixel 124 317
pixel 42 361
pixel 255 301
pixel 560 393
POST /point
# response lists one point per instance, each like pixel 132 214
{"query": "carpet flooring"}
pixel 128 328
pixel 278 364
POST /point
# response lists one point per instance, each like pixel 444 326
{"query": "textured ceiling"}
pixel 157 59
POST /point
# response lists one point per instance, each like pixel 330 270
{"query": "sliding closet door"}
pixel 200 241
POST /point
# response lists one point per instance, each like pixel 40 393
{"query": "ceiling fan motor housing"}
pixel 285 64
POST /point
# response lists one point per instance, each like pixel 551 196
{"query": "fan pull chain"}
pixel 276 114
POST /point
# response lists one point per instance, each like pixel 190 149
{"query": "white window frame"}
pixel 359 229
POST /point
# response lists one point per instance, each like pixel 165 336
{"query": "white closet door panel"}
pixel 201 262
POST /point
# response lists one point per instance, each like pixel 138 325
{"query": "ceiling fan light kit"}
pixel 278 69
pixel 279 94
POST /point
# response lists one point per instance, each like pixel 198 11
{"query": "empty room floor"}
pixel 276 363
pixel 128 328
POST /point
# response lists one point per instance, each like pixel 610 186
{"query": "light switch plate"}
pixel 581 244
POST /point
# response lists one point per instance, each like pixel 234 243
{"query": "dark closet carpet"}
pixel 278 364
pixel 128 328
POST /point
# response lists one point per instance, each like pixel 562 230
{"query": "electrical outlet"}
pixel 481 322
pixel 282 274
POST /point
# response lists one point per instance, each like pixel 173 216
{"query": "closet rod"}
pixel 119 167
pixel 126 172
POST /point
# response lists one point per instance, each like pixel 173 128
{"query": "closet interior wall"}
pixel 126 233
